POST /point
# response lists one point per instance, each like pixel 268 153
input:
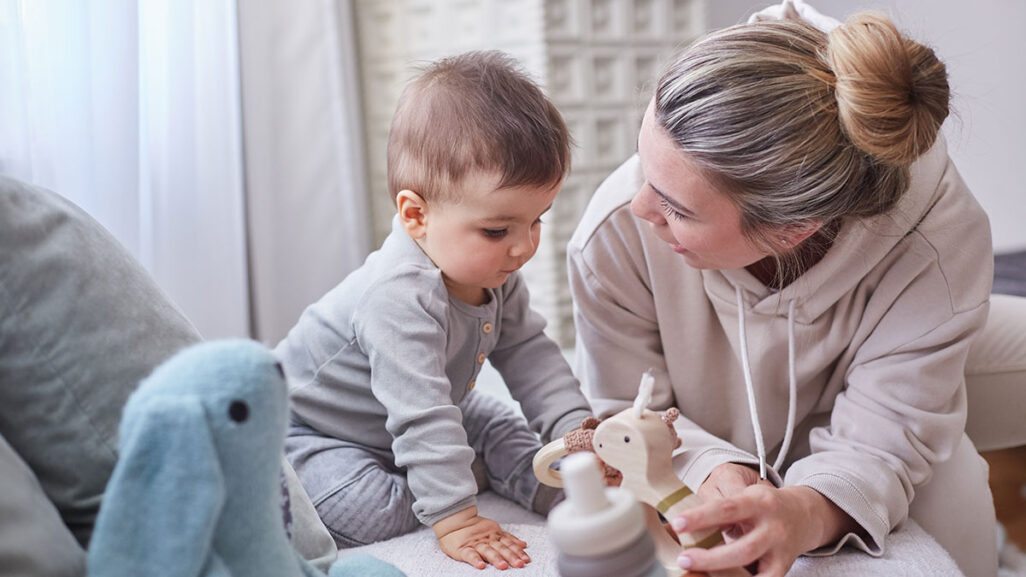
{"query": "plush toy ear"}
pixel 163 500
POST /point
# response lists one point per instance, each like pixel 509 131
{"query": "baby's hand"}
pixel 477 541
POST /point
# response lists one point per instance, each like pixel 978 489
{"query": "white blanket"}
pixel 418 555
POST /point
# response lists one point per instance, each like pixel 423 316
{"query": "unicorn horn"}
pixel 644 393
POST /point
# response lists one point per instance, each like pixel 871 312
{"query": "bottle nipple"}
pixel 583 484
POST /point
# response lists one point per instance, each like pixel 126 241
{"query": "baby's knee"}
pixel 371 509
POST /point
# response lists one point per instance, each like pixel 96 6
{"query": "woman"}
pixel 794 253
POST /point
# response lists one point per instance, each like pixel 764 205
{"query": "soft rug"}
pixel 1013 560
pixel 418 555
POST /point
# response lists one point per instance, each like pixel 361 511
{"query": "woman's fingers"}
pixel 716 513
pixel 749 548
pixel 731 485
pixel 766 526
pixel 727 480
pixel 774 566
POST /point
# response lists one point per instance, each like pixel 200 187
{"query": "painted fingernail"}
pixel 683 561
pixel 678 524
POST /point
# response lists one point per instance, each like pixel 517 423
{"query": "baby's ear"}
pixel 412 212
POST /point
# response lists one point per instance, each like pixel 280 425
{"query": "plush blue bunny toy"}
pixel 196 490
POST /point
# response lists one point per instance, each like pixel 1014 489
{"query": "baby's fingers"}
pixel 516 546
pixel 509 554
pixel 493 556
pixel 471 557
pixel 511 539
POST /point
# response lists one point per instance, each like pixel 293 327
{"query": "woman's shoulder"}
pixel 609 207
pixel 955 233
pixel 948 203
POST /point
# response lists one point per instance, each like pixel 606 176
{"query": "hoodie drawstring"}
pixel 792 389
pixel 792 392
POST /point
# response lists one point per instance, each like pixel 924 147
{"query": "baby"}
pixel 386 431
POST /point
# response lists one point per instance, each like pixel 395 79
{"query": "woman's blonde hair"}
pixel 796 125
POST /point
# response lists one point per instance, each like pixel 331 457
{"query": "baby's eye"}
pixel 495 232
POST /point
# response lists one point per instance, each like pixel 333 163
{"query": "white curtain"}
pixel 309 222
pixel 133 109
pixel 130 108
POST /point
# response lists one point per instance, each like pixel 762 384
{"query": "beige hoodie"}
pixel 879 330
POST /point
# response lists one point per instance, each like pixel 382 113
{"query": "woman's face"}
pixel 697 221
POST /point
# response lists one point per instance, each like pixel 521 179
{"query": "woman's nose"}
pixel 643 205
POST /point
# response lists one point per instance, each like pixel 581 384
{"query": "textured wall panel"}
pixel 596 60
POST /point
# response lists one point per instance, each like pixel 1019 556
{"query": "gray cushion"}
pixel 81 322
pixel 33 538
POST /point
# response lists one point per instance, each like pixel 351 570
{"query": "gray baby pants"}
pixel 361 495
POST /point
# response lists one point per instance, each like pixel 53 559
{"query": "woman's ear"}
pixel 795 234
pixel 412 213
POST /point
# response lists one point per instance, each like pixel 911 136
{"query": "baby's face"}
pixel 480 239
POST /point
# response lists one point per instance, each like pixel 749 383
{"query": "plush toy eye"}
pixel 281 371
pixel 626 439
pixel 238 411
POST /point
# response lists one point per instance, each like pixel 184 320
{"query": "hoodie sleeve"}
pixel 902 412
pixel 902 409
pixel 618 339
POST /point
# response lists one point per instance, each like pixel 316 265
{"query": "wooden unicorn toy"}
pixel 639 443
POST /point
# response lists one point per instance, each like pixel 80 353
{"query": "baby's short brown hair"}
pixel 474 111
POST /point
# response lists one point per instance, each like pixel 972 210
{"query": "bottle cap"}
pixel 594 519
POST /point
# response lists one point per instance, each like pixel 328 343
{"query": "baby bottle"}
pixel 599 531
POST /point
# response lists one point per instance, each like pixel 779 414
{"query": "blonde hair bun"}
pixel 892 92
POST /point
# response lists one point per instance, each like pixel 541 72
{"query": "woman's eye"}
pixel 495 232
pixel 670 211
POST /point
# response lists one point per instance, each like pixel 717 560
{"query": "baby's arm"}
pixel 535 370
pixel 477 541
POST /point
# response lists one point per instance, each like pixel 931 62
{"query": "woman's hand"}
pixel 728 480
pixel 763 526
pixel 478 541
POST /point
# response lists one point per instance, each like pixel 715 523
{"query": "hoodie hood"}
pixel 860 246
